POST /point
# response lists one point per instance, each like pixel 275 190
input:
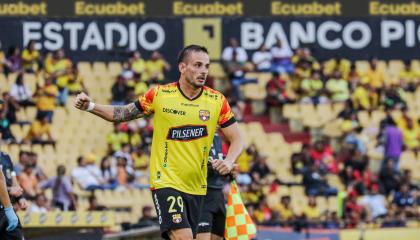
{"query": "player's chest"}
pixel 187 112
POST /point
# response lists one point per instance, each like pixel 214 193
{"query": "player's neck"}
pixel 189 91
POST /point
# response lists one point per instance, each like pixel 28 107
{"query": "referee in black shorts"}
pixel 213 213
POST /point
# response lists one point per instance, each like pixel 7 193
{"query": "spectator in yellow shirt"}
pixel 46 99
pixel 75 84
pixel 40 131
pixel 284 210
pixel 343 65
pixel 411 137
pixel 140 87
pixel 156 68
pixel 364 97
pixel 312 211
pixel 138 65
pixel 409 77
pixel 404 119
pixel 338 88
pixel 61 73
pixel 376 76
pixel 312 89
pixel 302 71
pixel 117 138
pixel 31 58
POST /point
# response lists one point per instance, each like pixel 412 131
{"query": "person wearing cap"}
pixel 9 223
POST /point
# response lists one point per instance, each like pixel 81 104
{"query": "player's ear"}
pixel 182 66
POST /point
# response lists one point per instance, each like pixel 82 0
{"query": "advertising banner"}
pixel 209 8
pixel 107 39
pixel 99 39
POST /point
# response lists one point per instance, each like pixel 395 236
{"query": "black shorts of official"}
pixel 16 234
pixel 213 213
pixel 176 210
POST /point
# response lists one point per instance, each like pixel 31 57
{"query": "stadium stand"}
pixel 325 163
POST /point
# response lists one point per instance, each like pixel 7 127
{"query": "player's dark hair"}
pixel 186 51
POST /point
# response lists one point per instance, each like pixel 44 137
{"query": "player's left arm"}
pixel 234 136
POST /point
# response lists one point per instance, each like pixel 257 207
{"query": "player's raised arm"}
pixel 108 112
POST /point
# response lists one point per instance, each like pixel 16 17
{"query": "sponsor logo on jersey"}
pixel 204 115
pixel 187 132
pixel 176 218
pixel 203 224
pixel 169 90
pixel 190 104
pixel 174 111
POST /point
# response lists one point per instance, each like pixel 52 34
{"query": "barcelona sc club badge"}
pixel 176 218
pixel 204 115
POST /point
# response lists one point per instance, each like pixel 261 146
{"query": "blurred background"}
pixel 325 92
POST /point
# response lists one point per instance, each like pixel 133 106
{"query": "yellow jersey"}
pixel 183 133
pixel 30 59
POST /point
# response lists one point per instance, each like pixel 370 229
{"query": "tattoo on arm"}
pixel 126 113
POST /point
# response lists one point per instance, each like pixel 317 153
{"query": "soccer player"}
pixel 212 221
pixel 186 115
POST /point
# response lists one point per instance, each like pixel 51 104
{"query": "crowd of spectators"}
pixel 387 194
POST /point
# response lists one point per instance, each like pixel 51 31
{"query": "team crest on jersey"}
pixel 176 218
pixel 204 115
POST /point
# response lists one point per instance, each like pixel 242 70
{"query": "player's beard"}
pixel 195 82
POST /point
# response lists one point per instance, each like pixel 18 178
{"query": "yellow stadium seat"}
pixel 291 111
pixel 262 78
pixel 408 160
pixel 99 68
pixel 381 65
pixel 21 116
pixel 114 68
pixel 254 92
pixel 312 120
pixel 415 64
pixel 255 128
pixel 3 82
pixel 31 113
pixel 395 66
pixel 17 132
pixel 307 109
pixel 333 129
pixel 85 68
pixel 337 108
pixel 364 118
pixel 377 116
pixel 362 66
pixel 216 70
pixel 30 80
pixel 11 79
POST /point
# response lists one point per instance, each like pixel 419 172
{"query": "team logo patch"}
pixel 176 218
pixel 204 115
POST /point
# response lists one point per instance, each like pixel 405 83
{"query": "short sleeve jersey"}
pixel 183 133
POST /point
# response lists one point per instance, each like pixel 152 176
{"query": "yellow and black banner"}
pixel 209 8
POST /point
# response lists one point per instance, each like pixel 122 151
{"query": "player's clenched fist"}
pixel 223 167
pixel 82 101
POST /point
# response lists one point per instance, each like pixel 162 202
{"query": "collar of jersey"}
pixel 191 99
